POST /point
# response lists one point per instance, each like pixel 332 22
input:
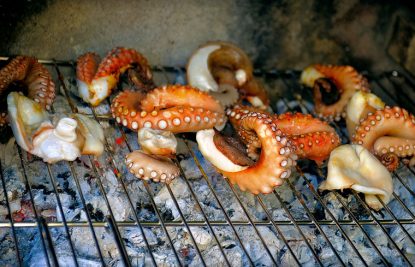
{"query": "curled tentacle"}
pixel 33 75
pixel 146 166
pixel 107 73
pixel 219 63
pixel 323 78
pixel 314 139
pixel 172 108
pixel 359 106
pixel 86 67
pixel 390 130
pixel 390 161
pixel 273 165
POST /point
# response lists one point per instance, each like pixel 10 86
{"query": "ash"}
pixel 189 197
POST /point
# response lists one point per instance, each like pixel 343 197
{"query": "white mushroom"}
pixel 353 166
pixel 208 149
pixel 359 106
pixel 92 133
pixel 56 144
pixel 157 142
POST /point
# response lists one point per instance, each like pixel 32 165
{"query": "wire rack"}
pixel 394 87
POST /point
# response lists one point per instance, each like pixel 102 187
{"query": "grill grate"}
pixel 394 87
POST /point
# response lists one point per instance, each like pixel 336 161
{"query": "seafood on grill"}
pixel 333 86
pixel 274 163
pixel 389 134
pixel 32 75
pixel 218 66
pixel 157 142
pixel 92 134
pixel 314 139
pixel 354 167
pixel 174 108
pixel 96 81
pixel 359 106
pixel 35 133
pixel 146 166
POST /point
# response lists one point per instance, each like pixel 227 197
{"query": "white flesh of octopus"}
pixel 92 133
pixel 97 91
pixel 25 117
pixel 198 69
pixel 199 74
pixel 353 166
pixel 358 105
pixel 309 75
pixel 208 149
pixel 157 142
pixel 56 144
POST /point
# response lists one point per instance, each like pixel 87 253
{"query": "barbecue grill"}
pixel 295 224
pixel 93 212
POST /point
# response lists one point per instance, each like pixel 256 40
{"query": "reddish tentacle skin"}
pixel 347 81
pixel 3 119
pixel 275 161
pixel 387 131
pixel 105 76
pixel 33 75
pixel 174 108
pixel 146 166
pixel 86 67
pixel 120 59
pixel 314 139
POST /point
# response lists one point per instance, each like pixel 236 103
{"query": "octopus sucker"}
pixel 216 64
pixel 310 137
pixel 146 166
pixel 96 81
pixel 33 75
pixel 173 108
pixel 353 166
pixel 268 171
pixel 323 79
pixel 389 130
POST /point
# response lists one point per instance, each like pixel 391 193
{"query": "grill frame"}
pixel 290 81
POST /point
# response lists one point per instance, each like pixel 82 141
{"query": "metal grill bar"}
pixel 62 216
pixel 38 222
pixel 289 80
pixel 6 197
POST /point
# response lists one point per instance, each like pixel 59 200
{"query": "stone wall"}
pixel 282 34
